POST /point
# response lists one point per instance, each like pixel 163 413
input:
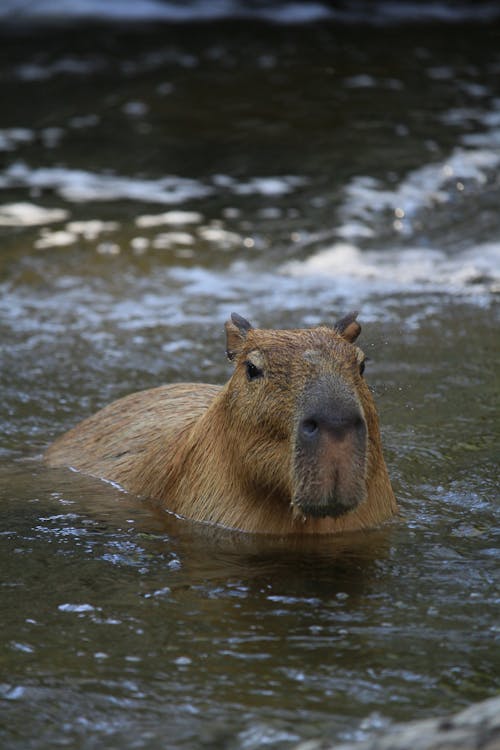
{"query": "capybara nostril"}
pixel 309 429
pixel 350 422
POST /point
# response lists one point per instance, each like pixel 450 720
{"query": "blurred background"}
pixel 163 164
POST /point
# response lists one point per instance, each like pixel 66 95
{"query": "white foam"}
pixel 169 240
pixel 92 228
pixel 80 186
pixel 423 188
pixel 268 186
pixel 220 236
pixel 60 238
pixel 108 248
pixel 354 229
pixel 29 215
pixel 335 279
pixel 73 230
pixel 76 608
pixel 63 66
pixel 470 272
pixel 288 12
pixel 471 163
pixel 11 137
pixel 163 10
pixel 139 245
pixel 171 218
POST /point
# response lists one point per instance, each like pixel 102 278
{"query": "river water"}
pixel 290 164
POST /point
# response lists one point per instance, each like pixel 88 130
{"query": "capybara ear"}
pixel 348 326
pixel 236 333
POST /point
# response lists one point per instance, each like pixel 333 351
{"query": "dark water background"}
pixel 153 178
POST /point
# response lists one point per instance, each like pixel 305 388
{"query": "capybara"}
pixel 289 445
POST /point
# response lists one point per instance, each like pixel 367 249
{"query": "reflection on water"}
pixel 279 11
pixel 118 623
pixel 152 181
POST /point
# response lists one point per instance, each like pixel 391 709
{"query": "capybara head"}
pixel 304 412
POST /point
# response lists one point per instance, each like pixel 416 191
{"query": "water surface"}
pixel 154 179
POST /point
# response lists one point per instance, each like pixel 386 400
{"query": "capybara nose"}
pixel 337 426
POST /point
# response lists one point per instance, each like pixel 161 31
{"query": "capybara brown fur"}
pixel 289 445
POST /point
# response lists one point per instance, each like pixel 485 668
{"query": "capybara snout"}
pixel 330 451
pixel 289 445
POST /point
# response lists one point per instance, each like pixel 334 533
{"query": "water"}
pixel 154 179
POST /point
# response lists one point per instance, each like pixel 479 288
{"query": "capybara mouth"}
pixel 331 509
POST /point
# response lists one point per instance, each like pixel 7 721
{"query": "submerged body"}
pixel 289 445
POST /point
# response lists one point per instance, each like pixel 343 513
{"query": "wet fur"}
pixel 224 454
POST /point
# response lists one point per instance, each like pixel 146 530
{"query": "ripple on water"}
pixel 369 192
pixel 284 12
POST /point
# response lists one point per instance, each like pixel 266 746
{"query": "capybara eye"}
pixel 253 372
